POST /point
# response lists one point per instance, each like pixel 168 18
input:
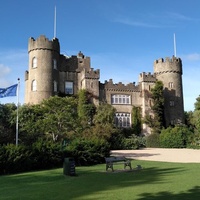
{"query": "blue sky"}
pixel 122 37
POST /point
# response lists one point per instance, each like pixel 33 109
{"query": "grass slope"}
pixel 157 180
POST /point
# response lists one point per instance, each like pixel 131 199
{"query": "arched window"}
pixel 34 85
pixel 122 120
pixel 54 63
pixel 55 86
pixel 34 62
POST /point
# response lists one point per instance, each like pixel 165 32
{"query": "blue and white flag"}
pixel 9 91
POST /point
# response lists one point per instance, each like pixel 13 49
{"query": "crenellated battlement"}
pixel 91 74
pixel 169 65
pixel 109 85
pixel 168 60
pixel 147 77
pixel 43 43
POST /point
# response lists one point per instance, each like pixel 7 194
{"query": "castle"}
pixel 51 73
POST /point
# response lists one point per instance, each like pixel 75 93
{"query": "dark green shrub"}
pixel 116 141
pixel 14 159
pixel 41 155
pixel 46 154
pixel 152 140
pixel 194 141
pixel 88 151
pixel 177 137
pixel 134 142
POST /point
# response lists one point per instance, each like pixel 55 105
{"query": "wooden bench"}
pixel 110 161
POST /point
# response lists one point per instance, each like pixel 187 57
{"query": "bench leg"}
pixel 127 163
pixel 109 165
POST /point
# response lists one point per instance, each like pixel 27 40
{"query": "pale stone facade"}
pixel 51 73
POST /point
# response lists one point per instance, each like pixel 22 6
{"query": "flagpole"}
pixel 17 123
pixel 55 22
pixel 174 45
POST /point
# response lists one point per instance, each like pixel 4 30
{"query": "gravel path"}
pixel 160 154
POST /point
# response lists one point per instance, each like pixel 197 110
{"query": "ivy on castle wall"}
pixel 136 119
pixel 157 122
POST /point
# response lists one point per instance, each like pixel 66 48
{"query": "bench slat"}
pixel 117 160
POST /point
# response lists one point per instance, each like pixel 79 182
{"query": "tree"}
pixel 158 121
pixel 7 123
pixel 196 115
pixel 105 114
pixel 176 137
pixel 136 120
pixel 30 125
pixel 86 110
pixel 60 117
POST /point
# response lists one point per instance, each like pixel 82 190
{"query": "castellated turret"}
pixel 43 75
pixel 169 71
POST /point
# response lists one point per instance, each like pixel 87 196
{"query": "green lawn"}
pixel 156 181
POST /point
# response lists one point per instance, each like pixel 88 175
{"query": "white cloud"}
pixel 149 20
pixel 178 16
pixel 130 22
pixel 192 57
pixel 4 70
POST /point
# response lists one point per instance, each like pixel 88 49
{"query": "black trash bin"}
pixel 69 167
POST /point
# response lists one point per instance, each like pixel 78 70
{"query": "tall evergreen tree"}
pixel 136 119
pixel 158 121
pixel 86 109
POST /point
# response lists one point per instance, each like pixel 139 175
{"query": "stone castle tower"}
pixel 43 62
pixel 51 73
pixel 169 71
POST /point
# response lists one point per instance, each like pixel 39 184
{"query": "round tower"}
pixel 169 71
pixel 43 75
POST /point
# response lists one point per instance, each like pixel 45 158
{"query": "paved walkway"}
pixel 160 154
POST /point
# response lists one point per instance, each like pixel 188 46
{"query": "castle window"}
pixel 34 85
pixel 171 85
pixel 122 120
pixel 171 103
pixel 120 99
pixel 69 89
pixel 172 122
pixel 54 63
pixel 34 62
pixel 55 86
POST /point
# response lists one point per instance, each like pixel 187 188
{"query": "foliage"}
pixel 136 120
pixel 60 117
pixel 7 123
pixel 100 131
pixel 46 154
pixel 105 114
pixel 88 151
pixel 177 137
pixel 152 140
pixel 14 159
pixel 134 142
pixel 157 122
pixel 189 121
pixel 195 121
pixel 41 155
pixel 195 141
pixel 30 125
pixel 86 110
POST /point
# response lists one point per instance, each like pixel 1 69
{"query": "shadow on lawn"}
pixel 95 180
pixel 191 194
pixel 107 181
